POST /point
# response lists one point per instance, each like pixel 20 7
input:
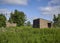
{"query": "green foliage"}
pixel 2 20
pixel 18 17
pixel 28 23
pixel 56 20
pixel 29 35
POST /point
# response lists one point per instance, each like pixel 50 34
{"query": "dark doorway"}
pixel 49 25
pixel 36 23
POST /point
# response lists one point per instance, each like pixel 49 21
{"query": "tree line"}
pixel 17 17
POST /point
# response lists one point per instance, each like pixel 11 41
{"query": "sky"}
pixel 32 8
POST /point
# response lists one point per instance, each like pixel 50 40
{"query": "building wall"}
pixel 40 23
pixel 36 23
pixel 43 23
pixel 10 24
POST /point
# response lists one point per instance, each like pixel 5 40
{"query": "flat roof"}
pixel 43 19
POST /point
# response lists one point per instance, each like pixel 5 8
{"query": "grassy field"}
pixel 29 35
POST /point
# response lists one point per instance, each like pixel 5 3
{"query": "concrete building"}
pixel 42 23
pixel 8 24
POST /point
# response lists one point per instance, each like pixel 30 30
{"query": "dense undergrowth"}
pixel 29 35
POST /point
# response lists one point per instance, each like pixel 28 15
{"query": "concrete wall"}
pixel 10 24
pixel 43 23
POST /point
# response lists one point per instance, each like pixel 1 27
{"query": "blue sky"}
pixel 32 8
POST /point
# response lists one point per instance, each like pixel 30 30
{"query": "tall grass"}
pixel 29 35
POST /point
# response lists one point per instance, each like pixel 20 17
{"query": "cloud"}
pixel 54 2
pixel 18 2
pixel 50 10
pixel 6 12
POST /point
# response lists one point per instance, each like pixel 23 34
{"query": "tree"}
pixel 56 21
pixel 2 20
pixel 17 17
pixel 28 23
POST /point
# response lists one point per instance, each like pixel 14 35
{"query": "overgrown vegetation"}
pixel 29 35
pixel 2 20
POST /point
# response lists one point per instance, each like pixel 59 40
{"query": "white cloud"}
pixel 19 2
pixel 50 10
pixel 6 12
pixel 54 2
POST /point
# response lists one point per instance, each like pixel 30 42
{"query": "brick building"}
pixel 42 23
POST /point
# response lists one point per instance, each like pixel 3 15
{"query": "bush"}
pixel 29 35
pixel 2 20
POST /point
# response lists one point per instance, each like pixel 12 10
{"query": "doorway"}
pixel 49 25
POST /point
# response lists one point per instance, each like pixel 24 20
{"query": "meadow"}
pixel 29 35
